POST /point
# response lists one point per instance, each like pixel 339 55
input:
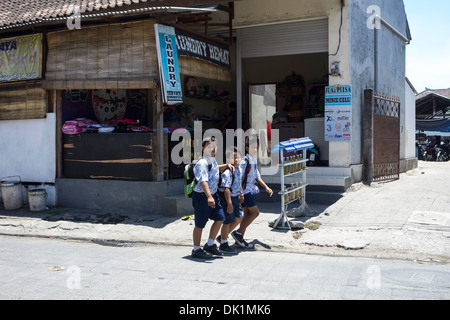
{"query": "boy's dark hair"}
pixel 250 140
pixel 231 150
pixel 207 140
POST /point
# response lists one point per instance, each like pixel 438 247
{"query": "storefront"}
pixel 289 51
pixel 109 106
pixel 276 65
pixel 284 72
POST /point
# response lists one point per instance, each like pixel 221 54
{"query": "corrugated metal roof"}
pixel 440 92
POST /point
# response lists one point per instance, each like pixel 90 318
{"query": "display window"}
pixel 106 134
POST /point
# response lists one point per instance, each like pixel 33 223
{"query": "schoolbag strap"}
pixel 247 171
pixel 220 177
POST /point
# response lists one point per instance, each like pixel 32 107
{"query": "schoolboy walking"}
pixel 206 201
pixel 230 193
pixel 250 176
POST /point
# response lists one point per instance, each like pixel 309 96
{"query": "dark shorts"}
pixel 203 212
pixel 249 200
pixel 237 210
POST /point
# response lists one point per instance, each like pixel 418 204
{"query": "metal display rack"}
pixel 293 159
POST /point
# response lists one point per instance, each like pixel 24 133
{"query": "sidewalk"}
pixel 404 219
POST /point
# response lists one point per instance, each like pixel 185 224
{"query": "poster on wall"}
pixel 109 105
pixel 338 113
pixel 168 64
pixel 20 58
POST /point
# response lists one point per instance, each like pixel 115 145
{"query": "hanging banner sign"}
pixel 20 58
pixel 168 64
pixel 191 45
pixel 338 113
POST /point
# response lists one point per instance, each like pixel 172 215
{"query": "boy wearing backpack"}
pixel 230 194
pixel 250 176
pixel 206 201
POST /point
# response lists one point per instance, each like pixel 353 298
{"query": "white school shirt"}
pixel 227 181
pixel 252 176
pixel 201 174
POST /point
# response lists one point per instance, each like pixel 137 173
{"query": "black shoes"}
pixel 201 254
pixel 212 249
pixel 208 252
pixel 240 241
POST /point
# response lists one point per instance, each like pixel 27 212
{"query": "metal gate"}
pixel 386 138
pixel 382 137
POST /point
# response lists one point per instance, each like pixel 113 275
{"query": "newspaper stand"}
pixel 293 159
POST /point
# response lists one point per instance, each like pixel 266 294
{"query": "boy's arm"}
pixel 264 185
pixel 201 174
pixel 222 167
pixel 211 202
pixel 227 193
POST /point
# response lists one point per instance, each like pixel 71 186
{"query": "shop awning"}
pixel 438 125
pixel 431 104
pixel 19 13
pixel 110 56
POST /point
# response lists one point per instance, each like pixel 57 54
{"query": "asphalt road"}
pixel 42 268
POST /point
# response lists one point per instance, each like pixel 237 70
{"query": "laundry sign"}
pixel 338 113
pixel 191 45
pixel 168 64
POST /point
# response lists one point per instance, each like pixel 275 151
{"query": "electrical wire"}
pixel 340 30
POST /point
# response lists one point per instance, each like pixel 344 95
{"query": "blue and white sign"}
pixel 338 113
pixel 168 64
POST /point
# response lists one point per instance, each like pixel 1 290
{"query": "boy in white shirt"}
pixel 230 194
pixel 206 201
pixel 250 176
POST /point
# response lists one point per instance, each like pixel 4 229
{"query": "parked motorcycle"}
pixel 421 151
pixel 430 152
pixel 442 152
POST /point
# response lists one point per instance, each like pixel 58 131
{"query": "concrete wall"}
pixel 409 127
pixel 377 61
pixel 258 12
pixel 27 149
pixel 161 198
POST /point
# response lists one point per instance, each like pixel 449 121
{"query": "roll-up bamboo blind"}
pixel 25 100
pixel 102 57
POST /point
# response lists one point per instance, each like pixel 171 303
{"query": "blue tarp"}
pixel 440 125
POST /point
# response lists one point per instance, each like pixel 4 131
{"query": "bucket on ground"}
pixel 37 199
pixel 12 192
